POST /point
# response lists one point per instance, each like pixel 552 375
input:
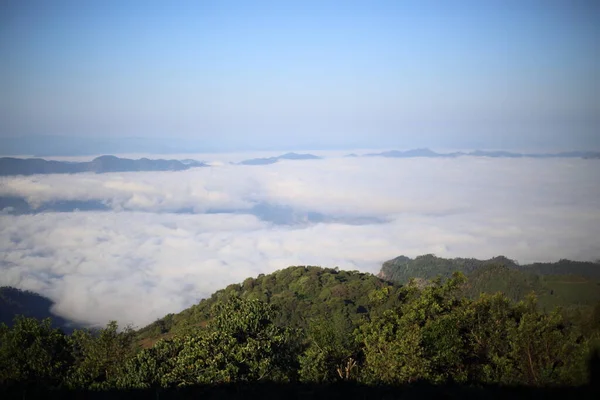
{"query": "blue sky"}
pixel 304 74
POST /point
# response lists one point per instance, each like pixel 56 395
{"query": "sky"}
pixel 135 246
pixel 251 75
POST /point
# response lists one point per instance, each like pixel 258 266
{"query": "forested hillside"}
pixel 401 269
pixel 318 326
pixel 19 302
pixel 301 294
pixel 572 285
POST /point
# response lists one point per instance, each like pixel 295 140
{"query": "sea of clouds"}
pixel 164 240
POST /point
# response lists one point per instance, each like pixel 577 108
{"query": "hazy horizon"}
pixel 134 246
pixel 262 75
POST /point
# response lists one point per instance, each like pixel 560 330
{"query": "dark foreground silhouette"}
pixel 341 391
pixel 311 391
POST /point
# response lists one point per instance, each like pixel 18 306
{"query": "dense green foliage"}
pixel 98 356
pixel 514 284
pixel 402 269
pixel 572 285
pixel 589 270
pixel 301 294
pixel 437 335
pixel 241 344
pixel 402 335
pixel 32 352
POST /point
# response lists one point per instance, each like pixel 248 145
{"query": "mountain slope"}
pixel 482 153
pixel 102 164
pixel 15 302
pixel 568 284
pixel 301 293
pixel 494 278
pixel 401 269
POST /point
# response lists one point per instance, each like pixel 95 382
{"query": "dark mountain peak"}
pixel 502 260
pixel 15 302
pixel 428 266
pixel 422 152
pixel 297 156
pixel 273 160
pixel 401 259
pixel 193 163
pixel 428 257
pixel 260 161
pixel 107 158
pixel 425 152
pixel 102 164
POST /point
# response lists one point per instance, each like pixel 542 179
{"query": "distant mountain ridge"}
pixel 424 152
pixel 29 304
pixel 109 163
pixel 565 283
pixel 273 160
pixel 401 269
pixel 99 165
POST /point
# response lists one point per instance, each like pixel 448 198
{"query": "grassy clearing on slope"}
pixel 570 290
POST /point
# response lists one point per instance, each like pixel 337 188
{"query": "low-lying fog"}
pixel 136 246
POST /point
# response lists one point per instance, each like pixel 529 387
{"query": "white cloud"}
pixel 141 263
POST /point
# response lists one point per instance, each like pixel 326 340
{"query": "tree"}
pixel 100 357
pixel 418 340
pixel 153 367
pixel 241 344
pixel 546 350
pixel 331 353
pixel 33 353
